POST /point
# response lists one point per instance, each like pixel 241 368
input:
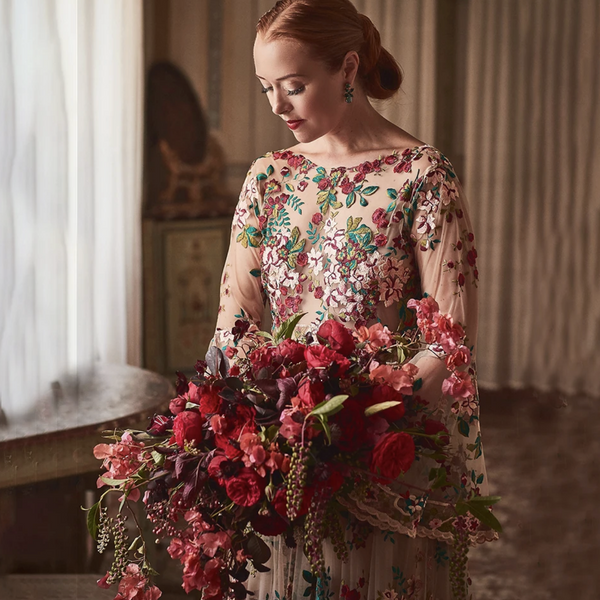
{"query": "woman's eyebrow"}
pixel 284 77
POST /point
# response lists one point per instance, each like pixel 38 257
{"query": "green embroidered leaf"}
pixel 350 199
pixel 270 170
pixel 370 190
pixel 392 193
pixel 289 187
pixel 363 202
pixel 463 427
pixel 261 176
pixel 255 272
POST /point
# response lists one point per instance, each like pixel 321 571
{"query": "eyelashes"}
pixel 289 92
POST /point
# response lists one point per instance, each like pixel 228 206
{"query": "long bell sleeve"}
pixel 241 291
pixel 445 256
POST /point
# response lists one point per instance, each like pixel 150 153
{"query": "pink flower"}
pixel 401 380
pixel 212 542
pixel 133 586
pixel 290 427
pixel 425 307
pixel 377 335
pixel 459 385
pixel 460 356
pixel 121 459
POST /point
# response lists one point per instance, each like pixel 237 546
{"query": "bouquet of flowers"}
pixel 281 437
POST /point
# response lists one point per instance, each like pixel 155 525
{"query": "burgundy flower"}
pixel 471 256
pixel 393 454
pixel 352 424
pixel 324 183
pixel 365 168
pixel 358 177
pixel 380 240
pixel 302 185
pixel 379 216
pixel 246 488
pixel 187 426
pixel 461 279
pixel 431 428
pixel 269 524
pixel 391 159
pixel 159 424
pixel 338 336
pixel 310 394
pixel 280 503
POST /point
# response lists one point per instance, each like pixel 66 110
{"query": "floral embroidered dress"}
pixel 356 244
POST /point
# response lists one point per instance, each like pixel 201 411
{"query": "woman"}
pixel 351 223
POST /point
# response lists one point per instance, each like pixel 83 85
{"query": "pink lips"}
pixel 294 124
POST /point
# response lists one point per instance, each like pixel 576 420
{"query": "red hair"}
pixel 330 29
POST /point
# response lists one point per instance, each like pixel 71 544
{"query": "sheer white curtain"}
pixel 70 191
pixel 533 166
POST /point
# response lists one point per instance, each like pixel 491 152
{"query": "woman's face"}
pixel 301 90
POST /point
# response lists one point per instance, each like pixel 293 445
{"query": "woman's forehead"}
pixel 276 60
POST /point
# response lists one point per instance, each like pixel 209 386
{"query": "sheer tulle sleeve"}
pixel 242 293
pixel 446 260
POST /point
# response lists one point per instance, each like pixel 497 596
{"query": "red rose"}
pixel 302 259
pixel 311 394
pixel 386 393
pixel 210 401
pixel 324 183
pixel 214 467
pixel 347 186
pixel 391 159
pixel 188 426
pixel 461 279
pixel 365 168
pixel 291 351
pixel 358 177
pixel 265 356
pixel 379 216
pixel 322 357
pixel 337 336
pixel 177 405
pixel 269 524
pixel 317 218
pixel 246 488
pixel 393 454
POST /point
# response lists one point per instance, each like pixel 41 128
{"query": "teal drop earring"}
pixel 348 89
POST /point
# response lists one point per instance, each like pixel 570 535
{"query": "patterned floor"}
pixel 543 457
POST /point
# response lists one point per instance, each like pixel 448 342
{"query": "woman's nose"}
pixel 281 104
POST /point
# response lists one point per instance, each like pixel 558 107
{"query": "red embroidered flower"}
pixel 471 256
pixel 393 454
pixel 302 259
pixel 337 336
pixel 347 186
pixel 187 426
pixel 317 218
pixel 246 488
pixel 380 240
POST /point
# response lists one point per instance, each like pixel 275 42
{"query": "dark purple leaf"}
pixel 182 383
pixel 159 424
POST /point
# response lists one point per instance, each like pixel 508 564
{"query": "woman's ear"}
pixel 350 65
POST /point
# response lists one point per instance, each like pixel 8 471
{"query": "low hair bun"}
pixel 379 71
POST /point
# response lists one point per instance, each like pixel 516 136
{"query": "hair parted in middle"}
pixel 331 29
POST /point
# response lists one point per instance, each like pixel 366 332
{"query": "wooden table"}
pixel 48 470
pixel 57 438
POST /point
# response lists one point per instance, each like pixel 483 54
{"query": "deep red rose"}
pixel 358 177
pixel 365 168
pixel 291 351
pixel 188 426
pixel 302 259
pixel 324 183
pixel 337 336
pixel 386 393
pixel 317 218
pixel 246 488
pixel 393 454
pixel 461 279
pixel 269 524
pixel 319 293
pixel 210 401
pixel 214 467
pixel 352 424
pixel 178 404
pixel 431 428
pixel 391 159
pixel 378 216
pixel 318 356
